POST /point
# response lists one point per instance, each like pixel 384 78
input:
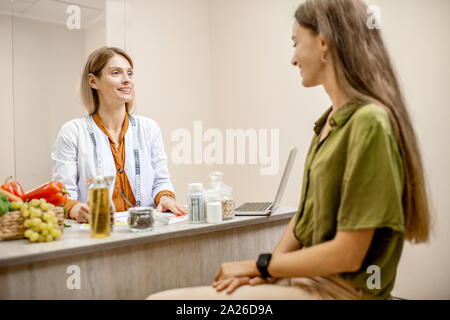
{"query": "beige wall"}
pixel 417 33
pixel 47 63
pixel 115 12
pixel 6 100
pixel 169 43
pixel 254 86
pixel 94 37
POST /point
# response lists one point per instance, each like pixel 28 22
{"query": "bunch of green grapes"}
pixel 41 225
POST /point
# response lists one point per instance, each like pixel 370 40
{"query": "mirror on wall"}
pixel 202 68
pixel 49 43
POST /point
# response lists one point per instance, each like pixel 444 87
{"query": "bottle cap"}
pixel 216 177
pixel 195 187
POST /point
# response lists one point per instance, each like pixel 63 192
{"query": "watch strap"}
pixel 263 263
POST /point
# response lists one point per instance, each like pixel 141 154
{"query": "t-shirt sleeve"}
pixel 371 193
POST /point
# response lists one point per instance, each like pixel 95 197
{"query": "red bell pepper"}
pixel 13 187
pixel 53 192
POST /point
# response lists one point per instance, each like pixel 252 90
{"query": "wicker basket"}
pixel 11 224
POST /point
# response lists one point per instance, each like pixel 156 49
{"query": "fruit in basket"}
pixel 35 202
pixel 41 224
pixel 34 237
pixel 28 233
pixel 34 213
pixel 16 205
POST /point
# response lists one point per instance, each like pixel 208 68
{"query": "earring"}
pixel 322 58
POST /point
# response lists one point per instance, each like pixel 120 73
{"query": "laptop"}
pixel 266 208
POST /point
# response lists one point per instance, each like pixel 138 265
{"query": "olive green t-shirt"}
pixel 354 180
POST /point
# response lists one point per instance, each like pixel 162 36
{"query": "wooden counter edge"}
pixel 208 228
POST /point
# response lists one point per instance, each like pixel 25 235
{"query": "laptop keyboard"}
pixel 253 206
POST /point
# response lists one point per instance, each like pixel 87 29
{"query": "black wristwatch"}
pixel 263 263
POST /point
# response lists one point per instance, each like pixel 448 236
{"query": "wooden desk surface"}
pixel 78 241
pixel 133 265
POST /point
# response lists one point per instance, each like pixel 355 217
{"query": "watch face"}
pixel 264 259
pixel 262 264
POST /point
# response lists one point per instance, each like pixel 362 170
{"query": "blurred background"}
pixel 225 63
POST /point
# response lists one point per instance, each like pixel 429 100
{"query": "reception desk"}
pixel 130 265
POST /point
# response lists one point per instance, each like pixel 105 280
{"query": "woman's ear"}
pixel 92 81
pixel 322 45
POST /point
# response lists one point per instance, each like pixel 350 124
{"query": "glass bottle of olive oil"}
pixel 99 208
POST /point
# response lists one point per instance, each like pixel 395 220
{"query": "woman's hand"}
pixel 230 283
pixel 80 213
pixel 169 204
pixel 259 280
pixel 237 269
pixel 233 283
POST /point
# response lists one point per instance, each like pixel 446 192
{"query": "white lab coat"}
pixel 73 158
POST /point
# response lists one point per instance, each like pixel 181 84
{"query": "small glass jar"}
pixel 227 207
pixel 225 192
pixel 213 208
pixel 141 219
pixel 196 203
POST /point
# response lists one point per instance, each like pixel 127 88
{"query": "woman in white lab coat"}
pixel 126 147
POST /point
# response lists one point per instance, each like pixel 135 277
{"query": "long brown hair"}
pixel 94 64
pixel 364 71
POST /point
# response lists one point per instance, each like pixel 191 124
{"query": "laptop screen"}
pixel 284 178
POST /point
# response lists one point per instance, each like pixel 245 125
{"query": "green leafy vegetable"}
pixel 5 205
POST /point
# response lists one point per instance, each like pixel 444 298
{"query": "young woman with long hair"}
pixel 363 189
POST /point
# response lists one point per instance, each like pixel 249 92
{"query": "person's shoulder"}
pixel 370 116
pixel 146 122
pixel 73 126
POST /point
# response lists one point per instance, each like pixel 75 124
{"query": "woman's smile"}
pixel 125 90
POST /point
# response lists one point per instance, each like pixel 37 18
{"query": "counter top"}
pixel 77 240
